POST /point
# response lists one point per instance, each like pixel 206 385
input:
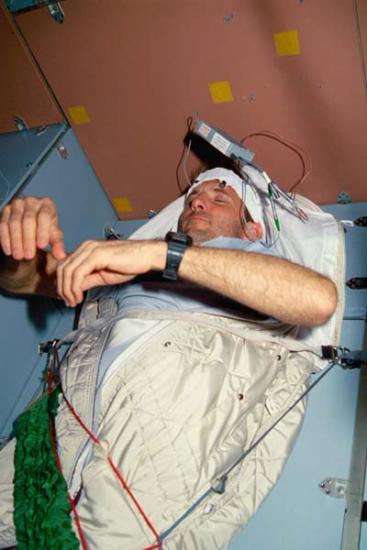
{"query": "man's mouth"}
pixel 195 217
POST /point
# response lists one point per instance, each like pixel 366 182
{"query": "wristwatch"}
pixel 177 243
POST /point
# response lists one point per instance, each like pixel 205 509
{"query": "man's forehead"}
pixel 216 184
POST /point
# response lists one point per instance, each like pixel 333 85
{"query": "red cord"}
pixel 80 421
pixel 77 521
pixel 294 147
pixel 57 458
pixel 127 489
pixel 113 466
pixel 70 498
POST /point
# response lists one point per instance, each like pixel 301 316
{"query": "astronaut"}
pixel 149 413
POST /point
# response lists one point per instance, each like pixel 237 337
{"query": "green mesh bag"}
pixel 41 507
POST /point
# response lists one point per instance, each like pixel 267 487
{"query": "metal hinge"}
pixel 63 152
pixel 20 123
pixel 334 487
pixel 111 235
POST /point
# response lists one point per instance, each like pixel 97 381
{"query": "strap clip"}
pixel 48 347
pixel 346 358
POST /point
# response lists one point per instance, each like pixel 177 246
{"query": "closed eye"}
pixel 221 198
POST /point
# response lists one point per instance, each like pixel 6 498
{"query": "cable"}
pixel 117 473
pixel 268 240
pixel 183 158
pixel 301 153
pixel 53 367
pixel 186 156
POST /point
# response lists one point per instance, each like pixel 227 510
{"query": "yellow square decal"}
pixel 287 43
pixel 122 204
pixel 220 91
pixel 79 114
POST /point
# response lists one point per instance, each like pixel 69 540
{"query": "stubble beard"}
pixel 200 236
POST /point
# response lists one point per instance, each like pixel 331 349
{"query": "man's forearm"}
pixel 267 284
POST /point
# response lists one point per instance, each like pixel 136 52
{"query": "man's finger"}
pixel 15 229
pixel 29 233
pixel 65 274
pixel 46 218
pixel 4 231
pixel 57 244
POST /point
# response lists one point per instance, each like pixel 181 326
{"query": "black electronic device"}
pixel 177 244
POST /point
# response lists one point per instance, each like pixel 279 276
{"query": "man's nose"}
pixel 198 203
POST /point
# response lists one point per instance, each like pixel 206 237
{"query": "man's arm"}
pixel 270 285
pixel 273 286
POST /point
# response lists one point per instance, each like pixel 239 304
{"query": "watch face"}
pixel 179 237
pixel 177 243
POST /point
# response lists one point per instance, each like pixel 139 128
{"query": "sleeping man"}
pixel 181 360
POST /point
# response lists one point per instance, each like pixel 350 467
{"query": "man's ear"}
pixel 252 231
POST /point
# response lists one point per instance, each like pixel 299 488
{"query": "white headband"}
pixel 244 190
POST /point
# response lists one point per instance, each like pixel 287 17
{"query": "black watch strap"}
pixel 177 243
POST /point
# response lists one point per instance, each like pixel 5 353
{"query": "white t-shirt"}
pixel 151 293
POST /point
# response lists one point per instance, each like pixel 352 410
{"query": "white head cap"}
pixel 243 189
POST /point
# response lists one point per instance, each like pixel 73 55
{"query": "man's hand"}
pixel 97 263
pixel 27 226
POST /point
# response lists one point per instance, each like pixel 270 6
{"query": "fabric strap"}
pixel 41 509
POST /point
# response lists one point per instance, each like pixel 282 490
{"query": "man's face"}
pixel 212 210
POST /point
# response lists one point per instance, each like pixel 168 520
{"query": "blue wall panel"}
pixel 84 212
pixel 20 155
pixel 84 209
